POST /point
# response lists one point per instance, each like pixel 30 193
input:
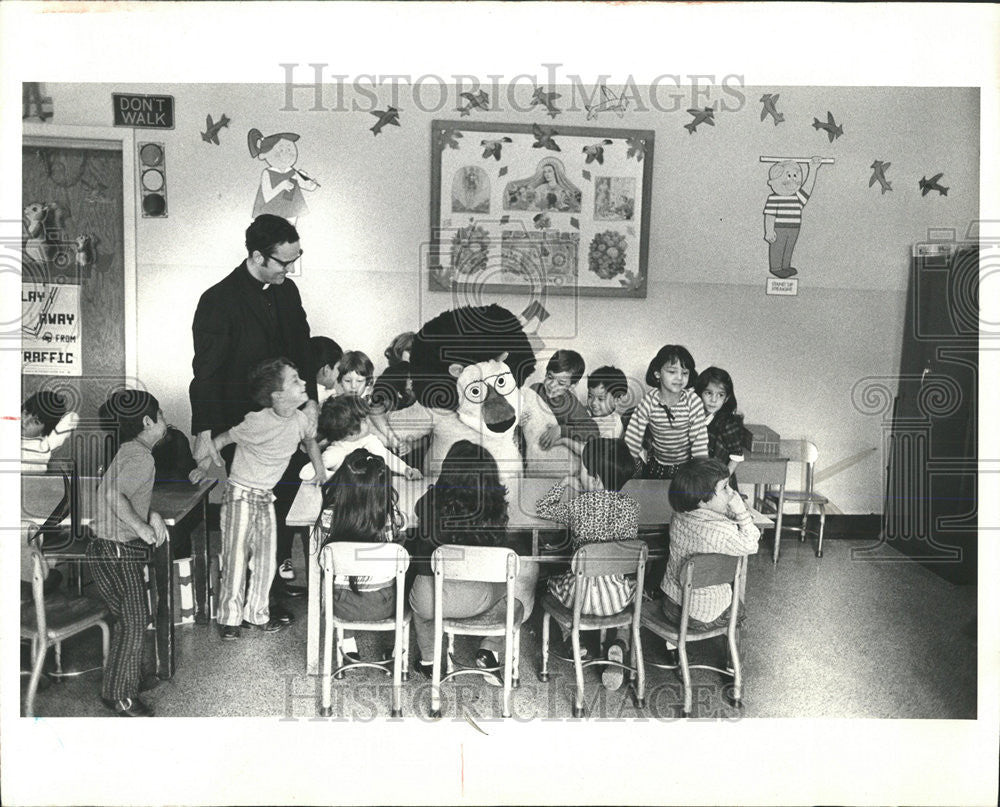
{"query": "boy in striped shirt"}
pixel 783 211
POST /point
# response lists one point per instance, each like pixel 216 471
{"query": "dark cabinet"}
pixel 930 510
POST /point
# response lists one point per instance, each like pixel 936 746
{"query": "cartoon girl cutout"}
pixel 281 184
pixel 547 189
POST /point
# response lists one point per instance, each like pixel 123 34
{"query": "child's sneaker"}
pixel 612 677
pixel 487 660
pixel 285 570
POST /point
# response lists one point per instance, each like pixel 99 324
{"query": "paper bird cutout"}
pixel 609 103
pixel 543 138
pixel 542 221
pixel 636 148
pixel 535 309
pixel 449 138
pixel 595 151
pixel 547 100
pixel 211 133
pixel 928 185
pixel 492 148
pixel 831 127
pixel 878 175
pixel 476 100
pixel 706 115
pixel 769 100
pixel 385 117
pixel 503 171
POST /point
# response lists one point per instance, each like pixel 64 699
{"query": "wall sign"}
pixel 50 329
pixel 144 111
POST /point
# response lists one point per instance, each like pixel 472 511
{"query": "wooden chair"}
pixel 700 571
pixel 593 560
pixel 361 559
pixel 482 564
pixel 806 453
pixel 50 621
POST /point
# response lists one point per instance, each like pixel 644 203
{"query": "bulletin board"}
pixel 78 289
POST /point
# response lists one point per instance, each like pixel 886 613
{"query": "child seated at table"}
pixel 709 517
pixel 123 528
pixel 355 375
pixel 606 389
pixel 265 442
pixel 359 504
pixel 344 426
pixel 596 511
pixel 45 426
pixel 466 506
pixel 326 355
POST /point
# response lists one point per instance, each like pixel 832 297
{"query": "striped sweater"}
pixel 787 210
pixel 677 436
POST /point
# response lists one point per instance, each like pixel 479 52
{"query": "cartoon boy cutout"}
pixel 783 211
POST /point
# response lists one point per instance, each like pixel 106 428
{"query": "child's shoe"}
pixel 612 677
pixel 285 570
pixel 487 660
pixel 128 707
pixel 229 632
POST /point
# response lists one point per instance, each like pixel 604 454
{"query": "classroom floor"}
pixel 830 637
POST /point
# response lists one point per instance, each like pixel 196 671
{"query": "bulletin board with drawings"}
pixel 78 273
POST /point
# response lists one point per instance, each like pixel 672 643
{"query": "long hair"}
pixel 468 501
pixel 716 375
pixel 361 501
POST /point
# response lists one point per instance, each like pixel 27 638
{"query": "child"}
pixel 359 504
pixel 355 375
pixel 123 528
pixel 573 422
pixel 709 517
pixel 265 442
pixel 673 412
pixel 725 426
pixel 45 426
pixel 599 511
pixel 393 389
pixel 343 424
pixel 466 506
pixel 606 389
pixel 326 356
pixel 783 212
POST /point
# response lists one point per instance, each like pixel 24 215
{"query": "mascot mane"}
pixel 465 336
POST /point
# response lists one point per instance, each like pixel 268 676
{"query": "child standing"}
pixel 606 389
pixel 573 422
pixel 359 504
pixel 598 511
pixel 725 425
pixel 326 356
pixel 45 426
pixel 123 528
pixel 265 442
pixel 343 424
pixel 674 413
pixel 709 517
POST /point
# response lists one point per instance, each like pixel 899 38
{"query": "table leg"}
pixel 199 556
pixel 777 521
pixel 311 542
pixel 163 575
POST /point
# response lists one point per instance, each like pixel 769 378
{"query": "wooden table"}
pixel 549 541
pixel 760 470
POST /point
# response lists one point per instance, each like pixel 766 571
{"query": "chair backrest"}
pixel 700 571
pixel 610 557
pixel 49 497
pixel 356 558
pixel 802 451
pixel 489 564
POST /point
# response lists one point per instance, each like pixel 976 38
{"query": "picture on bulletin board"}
pixel 530 208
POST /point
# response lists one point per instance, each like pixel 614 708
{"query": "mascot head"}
pixel 471 360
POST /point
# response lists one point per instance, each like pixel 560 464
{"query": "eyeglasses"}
pixel 284 264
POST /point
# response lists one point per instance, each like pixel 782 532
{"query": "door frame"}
pixel 123 139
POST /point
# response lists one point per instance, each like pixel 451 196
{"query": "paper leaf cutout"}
pixel 586 175
pixel 636 148
pixel 574 222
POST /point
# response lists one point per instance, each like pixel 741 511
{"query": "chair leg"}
pixel 686 676
pixel 436 677
pixel 59 668
pixel 340 651
pixel 328 649
pixel 515 680
pixel 508 672
pixel 734 655
pixel 578 669
pixel 543 676
pixel 397 678
pixel 36 674
pixel 405 653
pixel 449 660
pixel 640 668
pixel 822 522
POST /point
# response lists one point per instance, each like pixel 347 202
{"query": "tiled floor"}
pixel 830 637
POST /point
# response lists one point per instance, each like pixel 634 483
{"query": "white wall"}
pixel 794 360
